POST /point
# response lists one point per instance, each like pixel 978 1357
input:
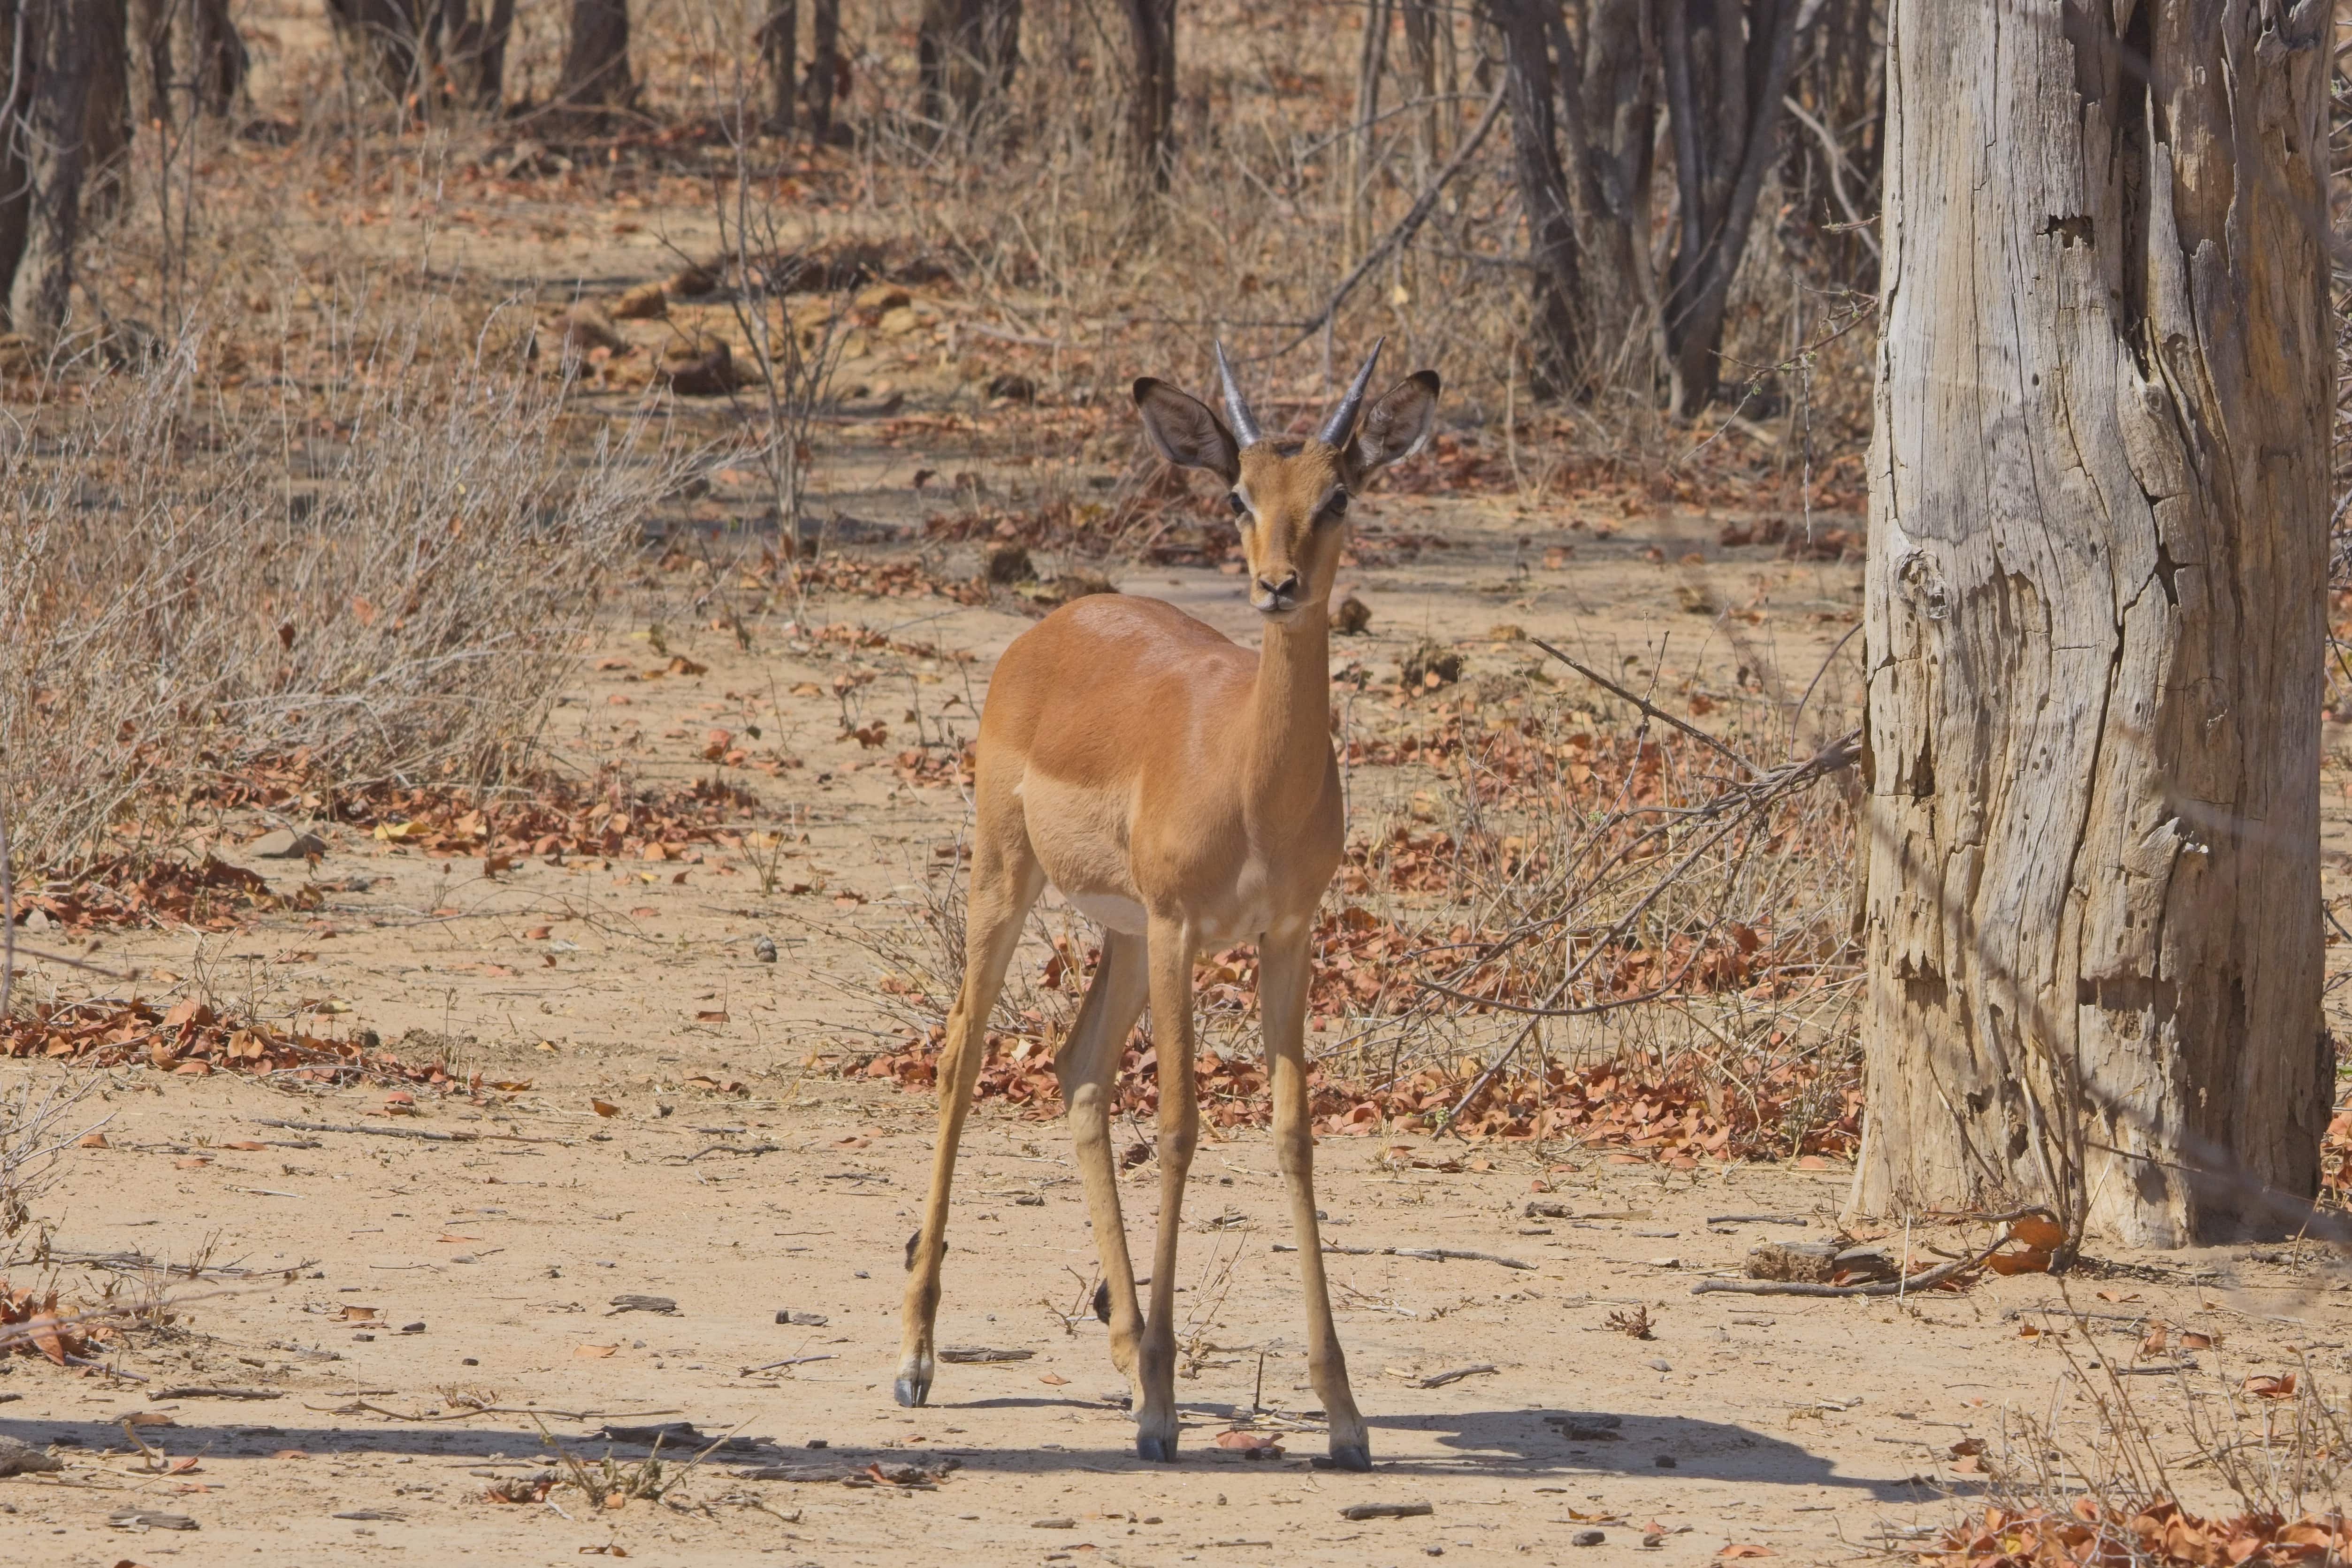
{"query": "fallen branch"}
pixel 1439 1379
pixel 1925 1280
pixel 1427 1254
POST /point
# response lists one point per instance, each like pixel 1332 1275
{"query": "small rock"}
pixel 665 1305
pixel 470 1361
pixel 1652 1541
pixel 643 303
pixel 18 1457
pixel 1352 616
pixel 285 844
pixel 801 1320
pixel 1432 664
pixel 36 921
pixel 701 365
pixel 820 1442
pixel 1587 1538
pixel 1667 1461
pixel 1009 563
pixel 411 1328
pixel 584 327
pixel 1659 1363
pixel 1539 1210
pixel 1052 1524
pixel 763 948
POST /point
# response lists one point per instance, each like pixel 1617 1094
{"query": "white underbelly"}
pixel 1118 913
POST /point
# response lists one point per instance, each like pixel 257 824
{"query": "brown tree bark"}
pixel 1558 361
pixel 106 117
pixel 596 60
pixel 780 42
pixel 62 42
pixel 825 68
pixel 1152 111
pixel 964 50
pixel 151 44
pixel 220 59
pixel 475 50
pixel 1727 65
pixel 2094 616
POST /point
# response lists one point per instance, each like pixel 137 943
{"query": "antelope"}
pixel 1181 792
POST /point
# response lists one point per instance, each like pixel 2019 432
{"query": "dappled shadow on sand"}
pixel 1486 1443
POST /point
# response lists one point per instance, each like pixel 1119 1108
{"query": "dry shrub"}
pixel 378 564
pixel 2200 1471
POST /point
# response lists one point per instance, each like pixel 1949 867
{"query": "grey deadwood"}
pixel 2093 618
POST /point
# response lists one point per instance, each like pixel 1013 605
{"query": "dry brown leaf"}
pixel 593 1352
pixel 1053 1378
pixel 2036 1231
pixel 604 1108
pixel 2033 1260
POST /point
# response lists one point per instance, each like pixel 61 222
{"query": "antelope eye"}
pixel 1336 508
pixel 1233 500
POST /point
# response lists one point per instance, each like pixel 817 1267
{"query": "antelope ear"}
pixel 1394 427
pixel 1185 432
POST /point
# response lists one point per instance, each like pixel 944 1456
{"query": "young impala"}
pixel 1181 791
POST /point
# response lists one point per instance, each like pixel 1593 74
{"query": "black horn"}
pixel 1237 409
pixel 1343 418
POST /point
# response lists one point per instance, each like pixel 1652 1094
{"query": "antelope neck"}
pixel 1290 718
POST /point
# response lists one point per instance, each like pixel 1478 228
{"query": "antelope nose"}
pixel 1282 590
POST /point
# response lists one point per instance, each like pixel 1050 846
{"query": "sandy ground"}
pixel 405 1284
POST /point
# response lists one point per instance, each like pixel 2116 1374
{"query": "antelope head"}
pixel 1290 496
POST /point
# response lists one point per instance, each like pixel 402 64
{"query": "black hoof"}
pixel 1159 1450
pixel 913 1390
pixel 1352 1457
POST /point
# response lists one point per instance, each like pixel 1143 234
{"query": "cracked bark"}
pixel 2094 616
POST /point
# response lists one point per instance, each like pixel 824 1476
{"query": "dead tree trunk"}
pixel 475 49
pixel 1726 66
pixel 2094 616
pixel 106 115
pixel 1152 111
pixel 965 50
pixel 825 68
pixel 780 43
pixel 1558 363
pixel 596 59
pixel 220 59
pixel 62 41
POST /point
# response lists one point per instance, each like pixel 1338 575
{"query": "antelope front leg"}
pixel 1171 962
pixel 1003 889
pixel 1286 967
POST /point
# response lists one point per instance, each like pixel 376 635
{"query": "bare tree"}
pixel 596 59
pixel 825 68
pixel 398 38
pixel 1558 361
pixel 63 43
pixel 1726 70
pixel 965 50
pixel 1151 108
pixel 2094 622
pixel 476 50
pixel 779 51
